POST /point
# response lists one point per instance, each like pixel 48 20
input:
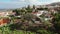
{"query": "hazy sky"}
pixel 20 3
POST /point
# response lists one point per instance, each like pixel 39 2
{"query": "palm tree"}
pixel 33 6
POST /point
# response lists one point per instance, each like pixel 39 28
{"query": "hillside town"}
pixel 38 11
pixel 33 18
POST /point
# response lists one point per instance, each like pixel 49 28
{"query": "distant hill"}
pixel 4 10
pixel 56 3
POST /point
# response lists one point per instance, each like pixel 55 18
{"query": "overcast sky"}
pixel 20 3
